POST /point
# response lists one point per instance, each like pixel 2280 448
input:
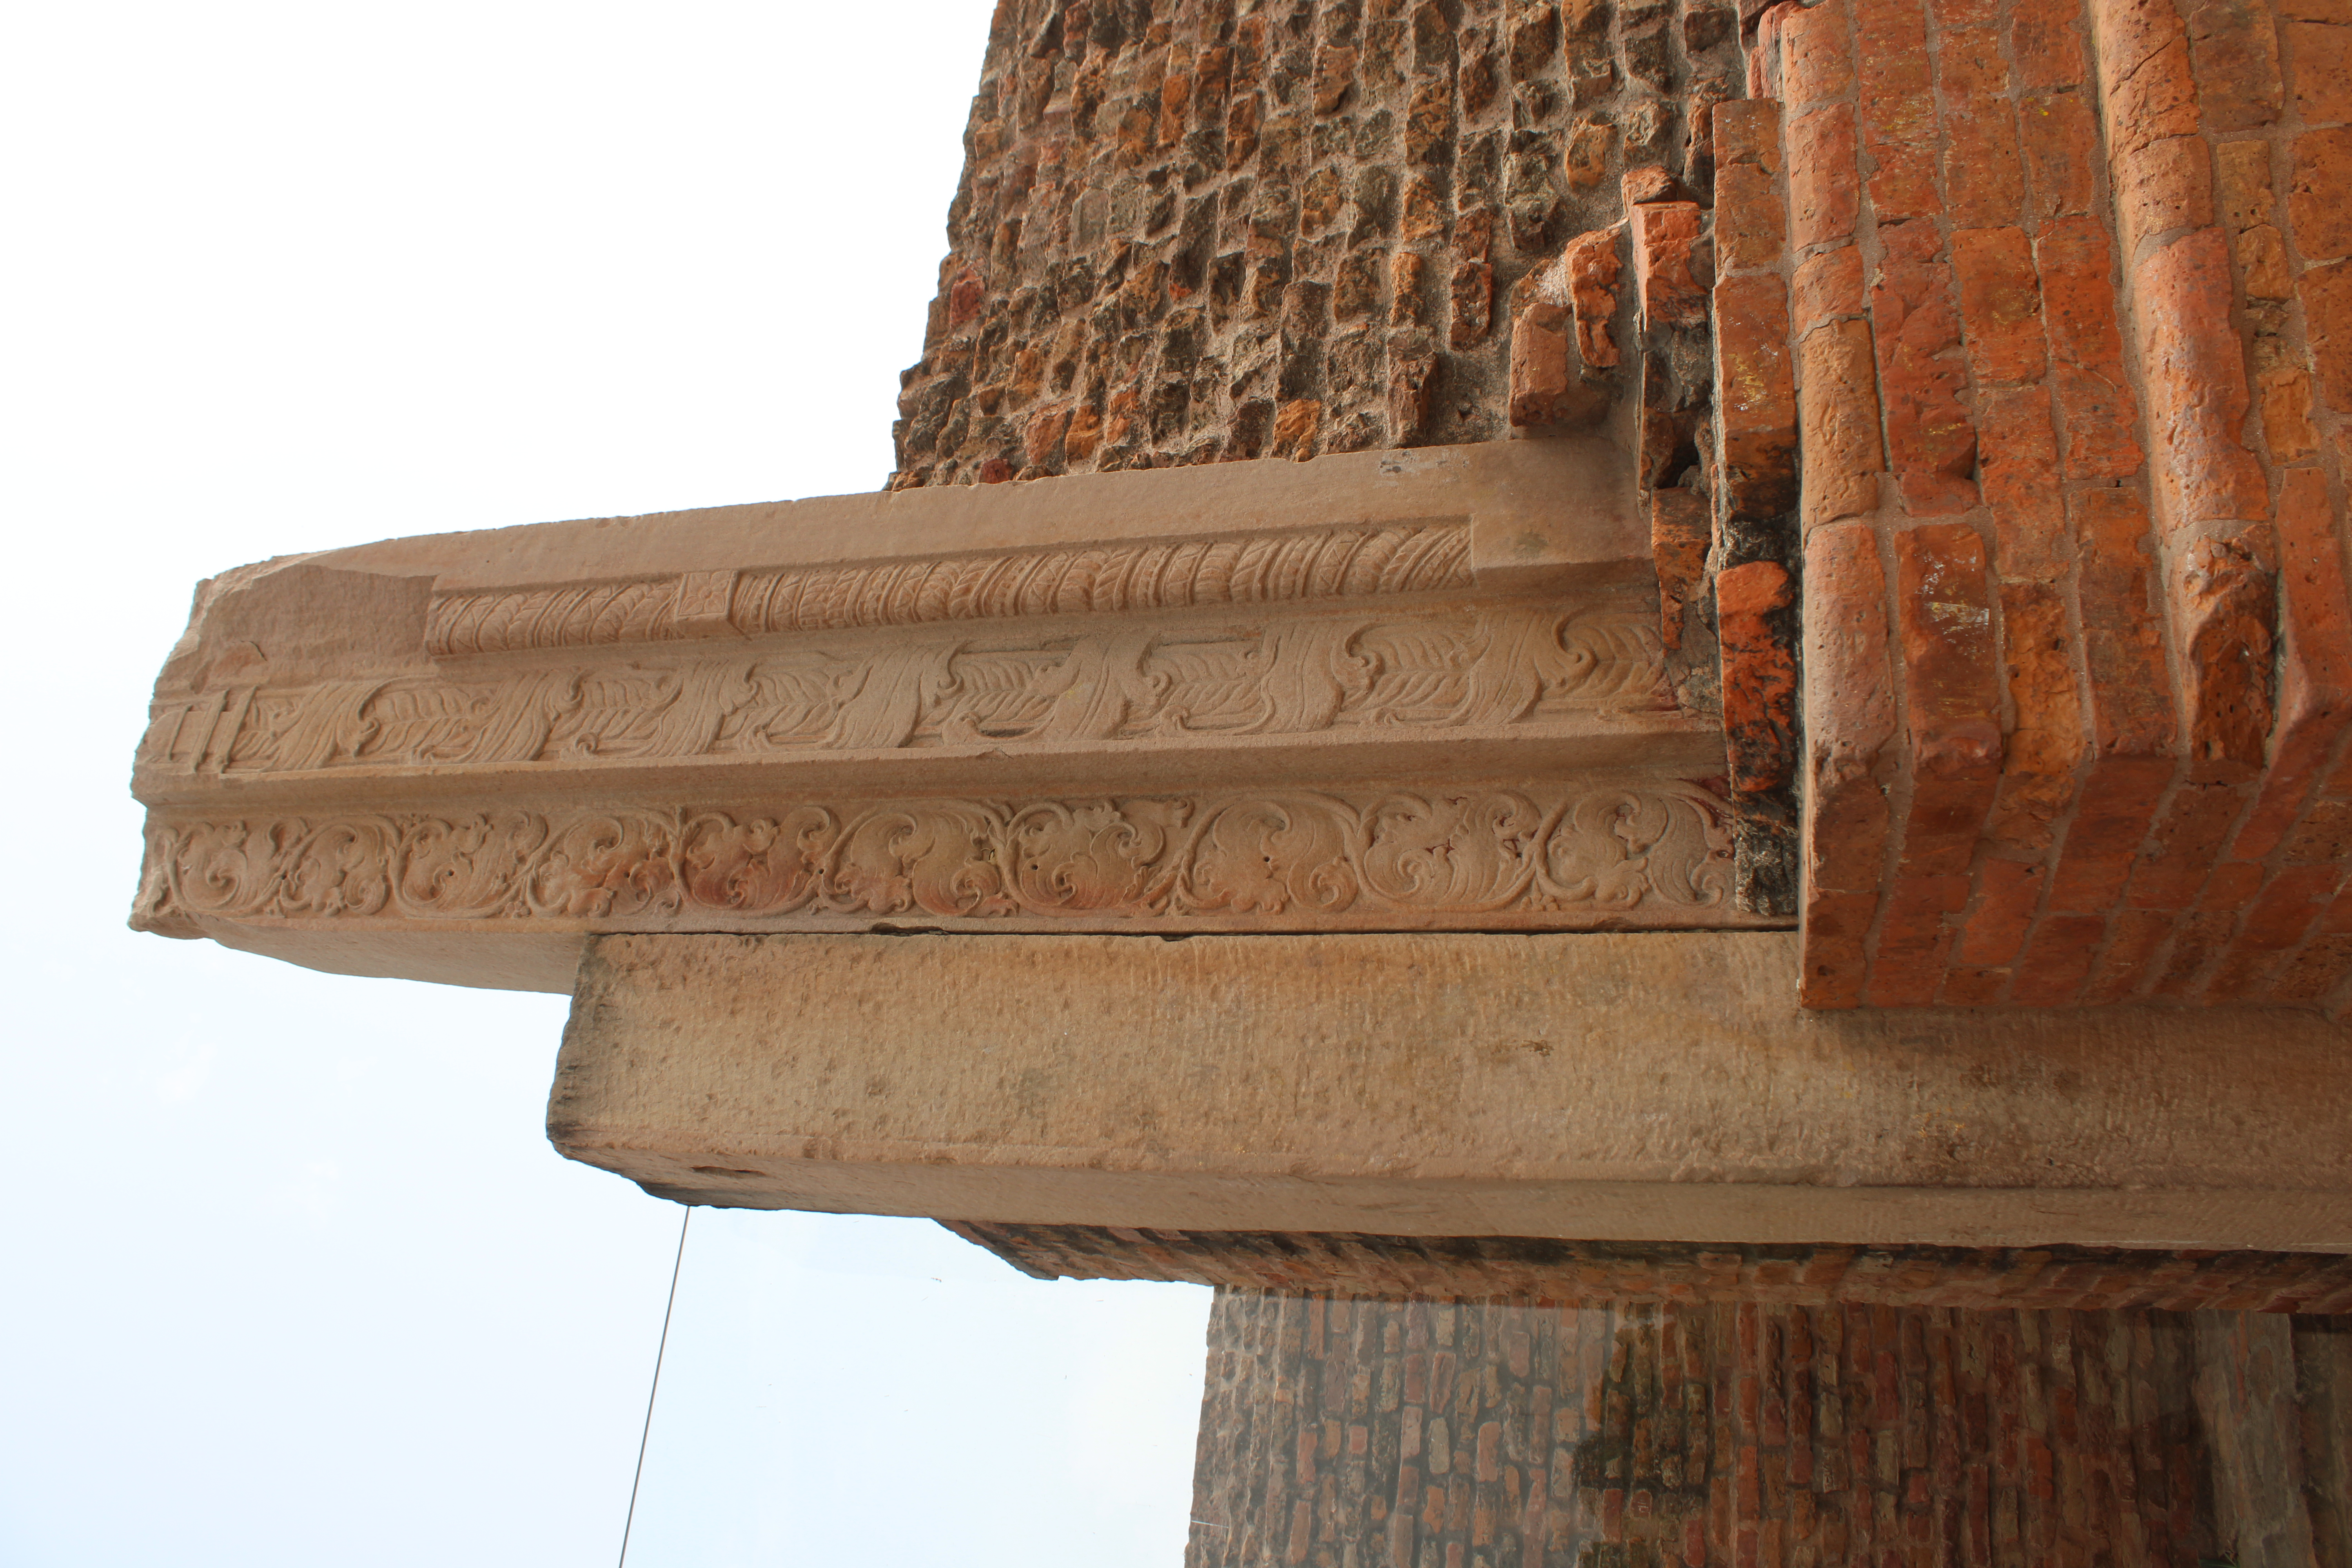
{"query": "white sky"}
pixel 288 1274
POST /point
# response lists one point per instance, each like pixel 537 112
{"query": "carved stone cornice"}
pixel 1264 569
pixel 1421 691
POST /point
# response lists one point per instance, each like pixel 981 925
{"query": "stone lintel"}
pixel 1597 1086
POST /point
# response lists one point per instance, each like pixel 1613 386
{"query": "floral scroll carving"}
pixel 1502 665
pixel 1339 563
pixel 1644 854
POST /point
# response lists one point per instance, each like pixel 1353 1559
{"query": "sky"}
pixel 288 1273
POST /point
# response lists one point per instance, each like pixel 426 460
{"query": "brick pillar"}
pixel 2077 669
pixel 1454 1433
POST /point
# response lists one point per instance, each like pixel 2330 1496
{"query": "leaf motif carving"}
pixel 1658 850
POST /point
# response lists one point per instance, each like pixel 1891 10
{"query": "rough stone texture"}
pixel 1208 229
pixel 1600 1087
pixel 1606 1274
pixel 1337 1431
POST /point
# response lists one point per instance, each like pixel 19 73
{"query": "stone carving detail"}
pixel 1093 579
pixel 1498 667
pixel 1655 853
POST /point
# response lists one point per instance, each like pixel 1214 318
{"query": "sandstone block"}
pixel 1599 1087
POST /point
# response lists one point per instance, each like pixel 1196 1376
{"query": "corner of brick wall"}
pixel 2076 667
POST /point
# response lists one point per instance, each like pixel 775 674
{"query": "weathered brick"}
pixel 2314 972
pixel 1914 940
pixel 2195 369
pixel 1944 612
pixel 2283 393
pixel 2017 456
pixel 1965 987
pixel 1754 396
pixel 1591 266
pixel 2008 893
pixel 1828 285
pixel 1295 424
pixel 1665 234
pixel 2233 49
pixel 2224 610
pixel 2057 960
pixel 1836 932
pixel 2316 200
pixel 2135 938
pixel 1898 108
pixel 1838 417
pixel 1823 185
pixel 2241 171
pixel 2000 304
pixel 2131 701
pixel 2045 742
pixel 1751 223
pixel 1849 705
pixel 2327 294
pixel 1748 131
pixel 2045 40
pixel 1931 441
pixel 2184 845
pixel 2278 919
pixel 2315 698
pixel 2197 940
pixel 1816 54
pixel 2162 186
pixel 1983 179
pixel 1681 528
pixel 2096 409
pixel 2157 98
pixel 2060 140
pixel 1759 675
pixel 2130 32
pixel 1548 382
pixel 2322 55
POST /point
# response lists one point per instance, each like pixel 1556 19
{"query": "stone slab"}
pixel 1600 1087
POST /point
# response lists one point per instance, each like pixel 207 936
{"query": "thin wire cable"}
pixel 651 1393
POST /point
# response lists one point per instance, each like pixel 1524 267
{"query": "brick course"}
pixel 2099 410
pixel 1338 1431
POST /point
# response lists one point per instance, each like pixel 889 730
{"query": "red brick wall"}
pixel 1196 230
pixel 1361 1435
pixel 2072 390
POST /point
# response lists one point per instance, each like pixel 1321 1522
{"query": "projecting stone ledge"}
pixel 1597 1086
pixel 1387 692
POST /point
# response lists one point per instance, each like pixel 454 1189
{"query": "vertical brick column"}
pixel 2074 734
pixel 1399 1434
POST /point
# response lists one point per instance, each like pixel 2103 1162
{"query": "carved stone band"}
pixel 1640 855
pixel 1464 667
pixel 1340 563
pixel 1403 691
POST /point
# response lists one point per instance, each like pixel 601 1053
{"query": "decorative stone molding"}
pixel 1515 663
pixel 1396 691
pixel 1335 564
pixel 1275 862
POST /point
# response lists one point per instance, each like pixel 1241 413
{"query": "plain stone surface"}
pixel 1598 1086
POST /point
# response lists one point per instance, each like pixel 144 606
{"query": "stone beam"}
pixel 1389 690
pixel 1597 1086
